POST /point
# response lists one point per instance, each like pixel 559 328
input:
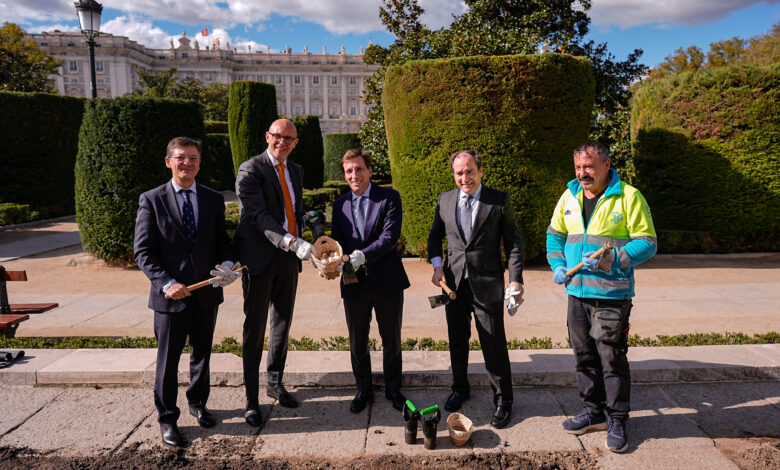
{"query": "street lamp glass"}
pixel 89 16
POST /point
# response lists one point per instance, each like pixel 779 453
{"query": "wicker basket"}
pixel 460 428
pixel 328 253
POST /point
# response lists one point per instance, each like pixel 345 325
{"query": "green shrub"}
pixel 308 152
pixel 122 146
pixel 319 198
pixel 216 168
pixel 38 144
pixel 523 113
pixel 707 156
pixel 251 110
pixel 336 145
pixel 11 213
pixel 215 127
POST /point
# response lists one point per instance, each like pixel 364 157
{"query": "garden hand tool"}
pixel 315 221
pixel 604 263
pixel 444 299
pixel 348 274
pixel 214 280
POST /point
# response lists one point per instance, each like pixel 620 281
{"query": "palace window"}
pixel 99 66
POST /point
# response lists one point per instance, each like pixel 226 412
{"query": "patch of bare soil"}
pixel 15 458
pixel 750 454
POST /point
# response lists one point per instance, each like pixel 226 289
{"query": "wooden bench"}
pixel 13 314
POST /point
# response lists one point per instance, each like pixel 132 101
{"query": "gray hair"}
pixel 596 147
pixel 473 153
pixel 181 142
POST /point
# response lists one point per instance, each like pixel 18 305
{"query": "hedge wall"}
pixel 707 156
pixel 523 113
pixel 38 143
pixel 251 110
pixel 216 169
pixel 336 145
pixel 215 127
pixel 121 154
pixel 308 152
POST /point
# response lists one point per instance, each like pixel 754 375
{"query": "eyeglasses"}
pixel 181 158
pixel 286 138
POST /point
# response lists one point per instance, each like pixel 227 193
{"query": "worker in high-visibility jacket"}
pixel 595 209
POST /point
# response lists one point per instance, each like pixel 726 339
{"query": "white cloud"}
pixel 51 27
pixel 139 30
pixel 665 13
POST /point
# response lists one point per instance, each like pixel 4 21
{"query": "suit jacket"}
pixel 495 221
pixel 164 252
pixel 383 267
pixel 261 204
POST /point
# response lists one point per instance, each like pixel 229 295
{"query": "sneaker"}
pixel 617 441
pixel 584 422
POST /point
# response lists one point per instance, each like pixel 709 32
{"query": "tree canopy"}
pixel 166 84
pixel 501 27
pixel 24 66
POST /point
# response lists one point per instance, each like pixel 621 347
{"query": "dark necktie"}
pixel 188 215
pixel 465 217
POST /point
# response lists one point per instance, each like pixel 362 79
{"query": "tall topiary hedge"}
pixel 707 156
pixel 251 110
pixel 38 143
pixel 308 152
pixel 121 154
pixel 216 169
pixel 336 145
pixel 523 113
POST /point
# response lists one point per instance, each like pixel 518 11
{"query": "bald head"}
pixel 282 137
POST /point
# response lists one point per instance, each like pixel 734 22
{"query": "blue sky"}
pixel 656 26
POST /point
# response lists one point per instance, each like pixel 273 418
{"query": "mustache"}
pixel 585 178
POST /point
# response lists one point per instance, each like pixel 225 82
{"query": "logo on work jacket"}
pixel 568 212
pixel 616 217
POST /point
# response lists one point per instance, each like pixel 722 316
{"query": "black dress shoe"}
pixel 398 400
pixel 360 401
pixel 253 417
pixel 278 392
pixel 171 435
pixel 502 415
pixel 455 401
pixel 205 418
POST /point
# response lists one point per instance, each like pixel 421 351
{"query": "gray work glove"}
pixel 357 258
pixel 224 274
pixel 301 248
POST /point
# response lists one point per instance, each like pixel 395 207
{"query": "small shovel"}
pixel 605 263
pixel 444 299
pixel 348 274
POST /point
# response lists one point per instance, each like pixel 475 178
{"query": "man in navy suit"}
pixel 367 224
pixel 179 238
pixel 270 199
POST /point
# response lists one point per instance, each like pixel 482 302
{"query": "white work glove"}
pixel 224 274
pixel 512 306
pixel 301 247
pixel 357 258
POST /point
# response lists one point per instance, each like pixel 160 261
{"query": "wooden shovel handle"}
pixel 198 285
pixel 596 254
pixel 447 289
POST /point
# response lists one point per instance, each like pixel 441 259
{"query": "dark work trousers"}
pixel 603 375
pixel 271 293
pixel 492 336
pixel 171 330
pixel 389 313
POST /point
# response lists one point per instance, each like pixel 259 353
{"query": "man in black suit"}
pixel 270 194
pixel 476 219
pixel 367 224
pixel 179 236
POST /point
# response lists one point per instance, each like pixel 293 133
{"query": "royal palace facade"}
pixel 329 85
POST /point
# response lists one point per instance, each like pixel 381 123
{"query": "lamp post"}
pixel 89 19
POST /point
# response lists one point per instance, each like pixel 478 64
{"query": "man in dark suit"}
pixel 476 219
pixel 269 190
pixel 179 237
pixel 367 224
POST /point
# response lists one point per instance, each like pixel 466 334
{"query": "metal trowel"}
pixel 444 299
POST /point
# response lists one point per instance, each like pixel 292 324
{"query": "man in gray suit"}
pixel 475 219
pixel 269 190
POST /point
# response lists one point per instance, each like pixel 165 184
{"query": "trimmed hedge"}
pixel 216 169
pixel 122 146
pixel 251 110
pixel 707 156
pixel 12 213
pixel 308 152
pixel 523 113
pixel 38 144
pixel 336 145
pixel 215 127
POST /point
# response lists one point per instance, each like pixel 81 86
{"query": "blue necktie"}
pixel 188 215
pixel 360 220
